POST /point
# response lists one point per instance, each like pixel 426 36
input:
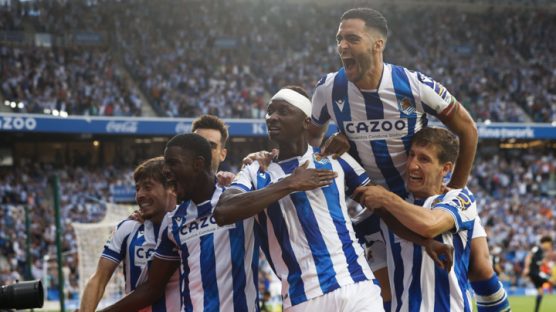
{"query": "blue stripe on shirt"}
pixel 297 289
pixel 441 287
pixel 398 269
pixel 237 239
pixel 415 295
pixel 395 182
pixel 208 273
pixel 331 193
pixel 461 253
pixel 402 88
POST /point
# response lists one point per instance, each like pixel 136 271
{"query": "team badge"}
pixel 406 106
pixel 319 159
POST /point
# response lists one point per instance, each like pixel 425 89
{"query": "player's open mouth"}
pixel 415 178
pixel 349 63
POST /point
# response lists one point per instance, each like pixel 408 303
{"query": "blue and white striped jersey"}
pixel 219 265
pixel 417 283
pixel 307 236
pixel 380 123
pixel 134 243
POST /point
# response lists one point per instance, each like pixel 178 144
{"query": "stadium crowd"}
pixel 518 211
pixel 500 65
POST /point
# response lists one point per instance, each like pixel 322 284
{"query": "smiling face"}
pixel 285 122
pixel 360 49
pixel 153 198
pixel 181 170
pixel 424 171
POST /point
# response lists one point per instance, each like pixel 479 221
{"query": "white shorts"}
pixel 359 297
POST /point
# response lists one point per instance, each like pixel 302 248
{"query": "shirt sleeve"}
pixel 460 203
pixel 167 248
pixel 355 175
pixel 435 97
pixel 244 180
pixel 115 247
pixel 319 113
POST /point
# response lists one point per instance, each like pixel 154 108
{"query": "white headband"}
pixel 295 99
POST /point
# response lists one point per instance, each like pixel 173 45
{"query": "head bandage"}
pixel 295 99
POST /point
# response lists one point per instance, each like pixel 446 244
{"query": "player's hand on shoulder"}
pixel 263 157
pixel 304 178
pixel 441 254
pixel 136 216
pixel 224 178
pixel 336 145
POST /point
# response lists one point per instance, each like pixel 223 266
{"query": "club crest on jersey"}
pixel 319 159
pixel 340 103
pixel 406 106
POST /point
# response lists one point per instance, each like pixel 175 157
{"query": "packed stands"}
pixel 193 57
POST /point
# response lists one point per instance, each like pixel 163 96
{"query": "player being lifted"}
pixel 378 107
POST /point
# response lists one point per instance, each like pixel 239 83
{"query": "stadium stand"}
pixel 500 65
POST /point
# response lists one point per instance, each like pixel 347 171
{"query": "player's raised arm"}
pixel 460 122
pixel 94 290
pixel 146 294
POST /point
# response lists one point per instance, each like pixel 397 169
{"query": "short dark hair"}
pixel 372 18
pixel 445 141
pixel 150 169
pixel 194 144
pixel 211 122
pixel 298 89
pixel 546 239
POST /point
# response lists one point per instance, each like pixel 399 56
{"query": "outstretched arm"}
pixel 235 205
pixel 94 290
pixel 146 294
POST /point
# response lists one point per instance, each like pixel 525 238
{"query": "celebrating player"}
pixel 448 216
pixel 134 242
pixel 217 264
pixel 299 204
pixel 378 107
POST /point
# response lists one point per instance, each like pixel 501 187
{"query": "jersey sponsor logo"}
pixel 142 255
pixel 201 227
pixel 367 130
